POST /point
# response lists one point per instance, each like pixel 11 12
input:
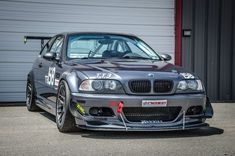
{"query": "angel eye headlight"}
pixel 97 85
pixel 182 85
pixel 192 84
pixel 101 86
pixel 111 84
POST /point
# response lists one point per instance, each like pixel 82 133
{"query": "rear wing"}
pixel 42 38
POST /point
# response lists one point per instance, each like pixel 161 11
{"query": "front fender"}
pixel 73 78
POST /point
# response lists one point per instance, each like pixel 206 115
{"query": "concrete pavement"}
pixel 35 134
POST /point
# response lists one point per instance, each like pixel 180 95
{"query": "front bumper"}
pixel 118 122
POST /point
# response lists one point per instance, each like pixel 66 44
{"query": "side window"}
pixel 120 48
pixel 57 45
pixel 45 49
pixel 47 46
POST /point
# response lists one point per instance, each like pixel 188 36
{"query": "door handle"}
pixel 40 65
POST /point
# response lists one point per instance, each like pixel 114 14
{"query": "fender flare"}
pixel 73 81
pixel 30 75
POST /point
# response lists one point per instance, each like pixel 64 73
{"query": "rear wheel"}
pixel 64 119
pixel 30 97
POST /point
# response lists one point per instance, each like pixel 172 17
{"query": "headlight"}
pixel 187 86
pixel 182 85
pixel 192 84
pixel 101 86
pixel 97 85
pixel 111 84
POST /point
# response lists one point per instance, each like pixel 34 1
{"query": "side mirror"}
pixel 166 57
pixel 52 56
pixel 49 56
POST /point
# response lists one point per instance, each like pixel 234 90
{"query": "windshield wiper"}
pixel 83 58
pixel 136 57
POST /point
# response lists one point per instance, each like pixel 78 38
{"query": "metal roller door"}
pixel 210 51
pixel 152 20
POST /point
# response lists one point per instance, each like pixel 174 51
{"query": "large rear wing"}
pixel 42 38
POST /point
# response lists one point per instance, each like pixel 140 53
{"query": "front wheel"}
pixel 64 119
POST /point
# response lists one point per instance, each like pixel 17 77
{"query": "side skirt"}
pixel 46 105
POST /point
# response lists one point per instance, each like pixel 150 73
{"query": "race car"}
pixel 113 82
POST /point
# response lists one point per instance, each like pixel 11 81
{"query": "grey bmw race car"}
pixel 108 81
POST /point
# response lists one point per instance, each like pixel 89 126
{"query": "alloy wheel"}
pixel 60 106
pixel 29 94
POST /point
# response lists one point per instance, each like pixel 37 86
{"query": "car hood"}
pixel 129 69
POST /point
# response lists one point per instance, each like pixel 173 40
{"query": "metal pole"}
pixel 183 120
pixel 124 123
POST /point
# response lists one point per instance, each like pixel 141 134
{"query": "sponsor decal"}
pixel 104 75
pixel 151 121
pixel 56 82
pixel 154 103
pixel 187 75
pixel 50 78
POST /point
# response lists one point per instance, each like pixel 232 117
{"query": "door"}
pixel 40 68
pixel 51 72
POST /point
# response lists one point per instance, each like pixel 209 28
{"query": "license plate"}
pixel 154 103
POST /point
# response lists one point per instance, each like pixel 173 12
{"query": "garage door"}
pixel 152 20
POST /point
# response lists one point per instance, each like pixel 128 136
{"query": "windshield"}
pixel 108 46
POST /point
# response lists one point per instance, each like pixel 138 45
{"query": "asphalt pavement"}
pixel 36 134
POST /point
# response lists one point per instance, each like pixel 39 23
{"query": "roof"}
pixel 98 33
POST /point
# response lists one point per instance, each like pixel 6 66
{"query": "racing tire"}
pixel 30 97
pixel 64 120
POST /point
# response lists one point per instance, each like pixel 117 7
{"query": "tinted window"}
pixel 82 48
pixel 108 46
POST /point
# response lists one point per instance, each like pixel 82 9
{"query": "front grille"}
pixel 162 86
pixel 138 114
pixel 140 86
